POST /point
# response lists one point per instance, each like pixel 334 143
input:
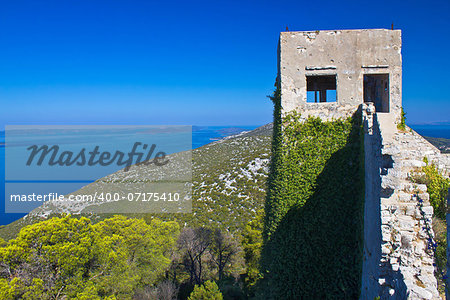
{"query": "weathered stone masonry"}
pixel 332 74
pixel 348 55
pixel 397 264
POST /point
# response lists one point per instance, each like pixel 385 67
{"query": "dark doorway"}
pixel 321 88
pixel 376 90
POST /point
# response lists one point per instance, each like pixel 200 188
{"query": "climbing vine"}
pixel 402 124
pixel 313 230
pixel 437 186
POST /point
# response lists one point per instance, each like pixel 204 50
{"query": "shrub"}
pixel 440 232
pixel 402 124
pixel 252 243
pixel 437 187
pixel 207 291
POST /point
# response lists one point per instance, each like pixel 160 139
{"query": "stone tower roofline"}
pixel 330 73
pixel 340 30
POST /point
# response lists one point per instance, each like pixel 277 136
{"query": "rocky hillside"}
pixel 228 185
pixel 229 178
pixel 442 144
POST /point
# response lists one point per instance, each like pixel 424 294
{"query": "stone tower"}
pixel 330 73
pixel 334 73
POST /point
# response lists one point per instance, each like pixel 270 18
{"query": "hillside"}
pixel 442 144
pixel 229 181
pixel 228 185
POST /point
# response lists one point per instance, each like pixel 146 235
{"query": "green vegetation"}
pixel 437 187
pixel 204 254
pixel 402 124
pixel 207 291
pixel 119 258
pixel 440 231
pixel 229 179
pixel 75 259
pixel 313 229
pixel 252 243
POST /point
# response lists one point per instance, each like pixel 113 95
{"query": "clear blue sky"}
pixel 191 62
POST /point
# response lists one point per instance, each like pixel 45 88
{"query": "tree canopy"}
pixel 73 258
pixel 207 291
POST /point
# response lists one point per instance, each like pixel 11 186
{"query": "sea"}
pixel 201 135
pixel 436 131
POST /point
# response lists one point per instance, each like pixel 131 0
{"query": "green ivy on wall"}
pixel 313 229
pixel 402 124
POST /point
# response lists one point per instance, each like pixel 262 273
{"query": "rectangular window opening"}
pixel 321 88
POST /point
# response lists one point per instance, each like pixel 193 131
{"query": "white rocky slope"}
pixel 228 185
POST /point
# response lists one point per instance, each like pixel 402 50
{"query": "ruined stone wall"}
pixel 348 54
pixel 370 287
pixel 420 148
pixel 397 263
pixel 443 163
